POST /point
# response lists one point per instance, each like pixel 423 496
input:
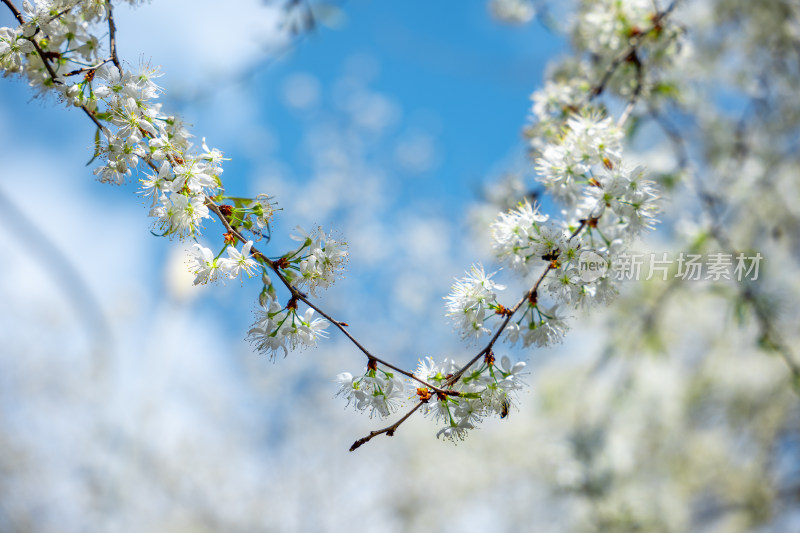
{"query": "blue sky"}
pixel 471 76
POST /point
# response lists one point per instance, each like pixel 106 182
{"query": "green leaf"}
pixel 97 147
pixel 796 383
pixel 668 90
pixel 632 127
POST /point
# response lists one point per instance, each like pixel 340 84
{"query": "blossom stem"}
pixel 87 68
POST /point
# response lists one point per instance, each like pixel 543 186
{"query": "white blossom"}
pixel 203 265
pixel 278 328
pixel 238 262
pixel 323 259
pixel 469 300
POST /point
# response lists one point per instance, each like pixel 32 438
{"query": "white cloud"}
pixel 200 40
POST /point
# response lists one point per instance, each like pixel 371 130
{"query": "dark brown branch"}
pixel 112 39
pixel 636 92
pixel 296 294
pixel 388 430
pixel 14 10
pixel 303 298
pixel 84 70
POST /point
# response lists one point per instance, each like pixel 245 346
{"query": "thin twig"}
pixel 83 70
pixel 636 92
pixel 488 348
pixel 388 430
pixel 303 298
pixel 112 39
pixel 14 10
pixel 636 41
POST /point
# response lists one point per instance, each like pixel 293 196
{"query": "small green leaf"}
pixel 632 126
pixel 97 147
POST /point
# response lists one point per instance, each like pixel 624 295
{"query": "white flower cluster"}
pixel 485 389
pixel 605 27
pixel 608 205
pixel 539 326
pixel 589 142
pixel 623 200
pixel 577 149
pixel 13 48
pixel 603 32
pixel 122 104
pixel 379 392
pixel 566 91
pixel 184 179
pixel 469 300
pixel 523 235
pixel 207 267
pixel 555 99
pixel 318 261
pixel 279 327
pixel 585 172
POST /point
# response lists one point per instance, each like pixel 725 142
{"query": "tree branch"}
pixel 112 39
pixel 388 430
